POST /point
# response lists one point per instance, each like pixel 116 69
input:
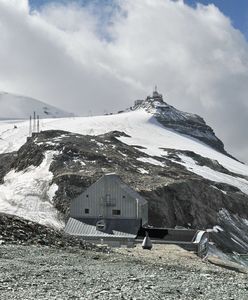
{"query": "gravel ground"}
pixel 166 272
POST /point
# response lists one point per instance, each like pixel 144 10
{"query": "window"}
pixel 123 196
pixel 116 212
pixel 86 211
pixel 87 196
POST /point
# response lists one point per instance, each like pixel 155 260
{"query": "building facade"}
pixel 110 210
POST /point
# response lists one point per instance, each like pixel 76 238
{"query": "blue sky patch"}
pixel 236 10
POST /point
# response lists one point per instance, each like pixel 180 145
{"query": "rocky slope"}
pixel 176 196
pixel 18 231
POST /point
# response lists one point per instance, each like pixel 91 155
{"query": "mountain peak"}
pixel 180 121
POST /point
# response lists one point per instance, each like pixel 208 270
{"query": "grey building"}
pixel 109 211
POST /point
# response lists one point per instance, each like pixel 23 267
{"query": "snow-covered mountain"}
pixel 21 107
pixel 186 178
pixel 182 122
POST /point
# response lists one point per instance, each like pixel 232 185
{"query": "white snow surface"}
pixel 142 171
pixel 151 161
pixel 144 130
pixel 212 175
pixel 141 126
pixel 21 107
pixel 29 194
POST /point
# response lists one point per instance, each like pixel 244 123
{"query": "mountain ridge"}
pixel 20 107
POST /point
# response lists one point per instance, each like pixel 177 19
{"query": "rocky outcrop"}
pixel 6 161
pixel 15 230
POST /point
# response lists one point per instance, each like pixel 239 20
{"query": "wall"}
pixel 95 199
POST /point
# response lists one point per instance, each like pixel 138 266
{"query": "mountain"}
pixel 182 122
pixel 186 178
pixel 21 107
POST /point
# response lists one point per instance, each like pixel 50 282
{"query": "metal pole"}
pixel 30 126
pixel 38 123
pixel 34 123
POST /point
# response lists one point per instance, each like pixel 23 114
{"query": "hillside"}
pixel 185 181
pixel 14 107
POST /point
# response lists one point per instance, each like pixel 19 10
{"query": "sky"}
pixel 236 10
pixel 96 56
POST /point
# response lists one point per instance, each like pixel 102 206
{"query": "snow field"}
pixel 29 194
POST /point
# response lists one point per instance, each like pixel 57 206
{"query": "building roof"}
pixel 79 228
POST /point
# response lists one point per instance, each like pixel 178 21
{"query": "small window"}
pixel 123 196
pixel 116 212
pixel 87 196
pixel 86 211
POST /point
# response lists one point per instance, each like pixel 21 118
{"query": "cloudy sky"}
pixel 100 55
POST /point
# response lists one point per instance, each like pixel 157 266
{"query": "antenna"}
pixel 34 125
pixel 38 123
pixel 156 88
pixel 30 126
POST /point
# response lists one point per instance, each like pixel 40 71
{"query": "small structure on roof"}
pixel 156 96
pixel 109 211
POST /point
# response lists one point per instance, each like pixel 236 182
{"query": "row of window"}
pixel 115 212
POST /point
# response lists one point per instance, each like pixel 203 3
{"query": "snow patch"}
pixel 214 187
pixel 29 194
pixel 79 161
pixel 143 171
pixel 212 175
pixel 151 161
pixel 217 228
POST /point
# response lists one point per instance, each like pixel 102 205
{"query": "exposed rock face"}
pixel 182 122
pixel 234 237
pixel 6 161
pixel 176 196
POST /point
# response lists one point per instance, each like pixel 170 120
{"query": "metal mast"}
pixel 38 123
pixel 30 126
pixel 34 124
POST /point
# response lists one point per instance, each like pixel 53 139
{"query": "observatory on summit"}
pixel 155 97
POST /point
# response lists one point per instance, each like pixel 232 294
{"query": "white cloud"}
pixel 195 56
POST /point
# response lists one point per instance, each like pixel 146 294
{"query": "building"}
pixel 109 211
pixel 156 96
pixel 138 102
